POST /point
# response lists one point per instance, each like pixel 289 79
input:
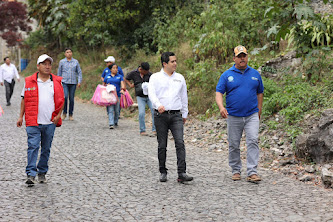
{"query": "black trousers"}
pixel 9 89
pixel 174 122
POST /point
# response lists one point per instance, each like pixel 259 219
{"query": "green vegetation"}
pixel 202 34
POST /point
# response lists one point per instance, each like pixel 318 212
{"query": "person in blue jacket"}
pixel 244 97
pixel 118 81
pixel 109 61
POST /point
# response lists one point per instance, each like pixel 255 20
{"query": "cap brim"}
pixel 241 53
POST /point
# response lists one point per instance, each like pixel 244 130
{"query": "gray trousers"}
pixel 236 126
pixel 9 89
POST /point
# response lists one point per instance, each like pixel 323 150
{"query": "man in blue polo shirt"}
pixel 109 61
pixel 244 97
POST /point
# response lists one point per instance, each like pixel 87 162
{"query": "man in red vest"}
pixel 42 104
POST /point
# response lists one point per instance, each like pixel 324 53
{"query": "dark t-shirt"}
pixel 137 80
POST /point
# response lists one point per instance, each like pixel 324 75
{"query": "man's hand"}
pixel 18 80
pixel 19 122
pixel 56 119
pixel 224 113
pixel 161 109
pixel 78 85
pixel 1 83
pixel 184 120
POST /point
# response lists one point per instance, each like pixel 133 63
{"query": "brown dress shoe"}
pixel 63 116
pixel 236 176
pixel 253 178
pixel 143 134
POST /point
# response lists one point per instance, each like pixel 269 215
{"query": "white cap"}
pixel 44 57
pixel 110 59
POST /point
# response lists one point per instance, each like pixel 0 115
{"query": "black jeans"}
pixel 9 89
pixel 174 122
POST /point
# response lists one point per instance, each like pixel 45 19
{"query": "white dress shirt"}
pixel 8 72
pixel 168 91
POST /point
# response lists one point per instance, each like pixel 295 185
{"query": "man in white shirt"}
pixel 7 73
pixel 168 93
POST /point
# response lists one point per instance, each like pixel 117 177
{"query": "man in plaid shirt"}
pixel 70 71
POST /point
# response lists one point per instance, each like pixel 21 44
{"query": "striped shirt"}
pixel 70 71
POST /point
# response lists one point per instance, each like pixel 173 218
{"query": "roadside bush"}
pixel 292 100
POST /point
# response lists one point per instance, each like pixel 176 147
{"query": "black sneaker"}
pixel 183 177
pixel 8 104
pixel 163 177
pixel 30 180
pixel 111 127
pixel 42 178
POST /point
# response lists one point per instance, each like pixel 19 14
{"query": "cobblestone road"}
pixel 97 174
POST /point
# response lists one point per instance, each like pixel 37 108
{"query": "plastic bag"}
pixel 126 100
pixel 1 111
pixel 103 98
pixel 145 88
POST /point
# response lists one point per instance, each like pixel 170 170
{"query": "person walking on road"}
pixel 117 81
pixel 244 97
pixel 139 76
pixel 42 104
pixel 109 61
pixel 7 73
pixel 107 71
pixel 70 71
pixel 168 93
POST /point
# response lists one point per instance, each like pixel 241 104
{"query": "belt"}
pixel 170 111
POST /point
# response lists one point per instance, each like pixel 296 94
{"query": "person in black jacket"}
pixel 139 76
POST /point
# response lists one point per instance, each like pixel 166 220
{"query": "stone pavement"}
pixel 97 174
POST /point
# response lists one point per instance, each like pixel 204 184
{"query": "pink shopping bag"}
pixel 103 98
pixel 126 100
pixel 1 111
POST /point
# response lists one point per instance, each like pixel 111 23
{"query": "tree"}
pixel 296 21
pixel 52 18
pixel 13 20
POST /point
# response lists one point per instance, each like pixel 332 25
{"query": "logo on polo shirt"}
pixel 254 78
pixel 177 80
pixel 230 78
pixel 30 89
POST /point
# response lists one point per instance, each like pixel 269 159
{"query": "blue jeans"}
pixel 142 101
pixel 174 122
pixel 236 126
pixel 113 113
pixel 69 91
pixel 41 135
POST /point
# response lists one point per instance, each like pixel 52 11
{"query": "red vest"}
pixel 31 99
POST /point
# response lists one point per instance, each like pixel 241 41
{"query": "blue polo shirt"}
pixel 241 90
pixel 116 80
pixel 107 72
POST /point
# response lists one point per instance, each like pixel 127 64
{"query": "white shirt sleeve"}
pixel 152 93
pixel 16 73
pixel 23 90
pixel 1 75
pixel 184 100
